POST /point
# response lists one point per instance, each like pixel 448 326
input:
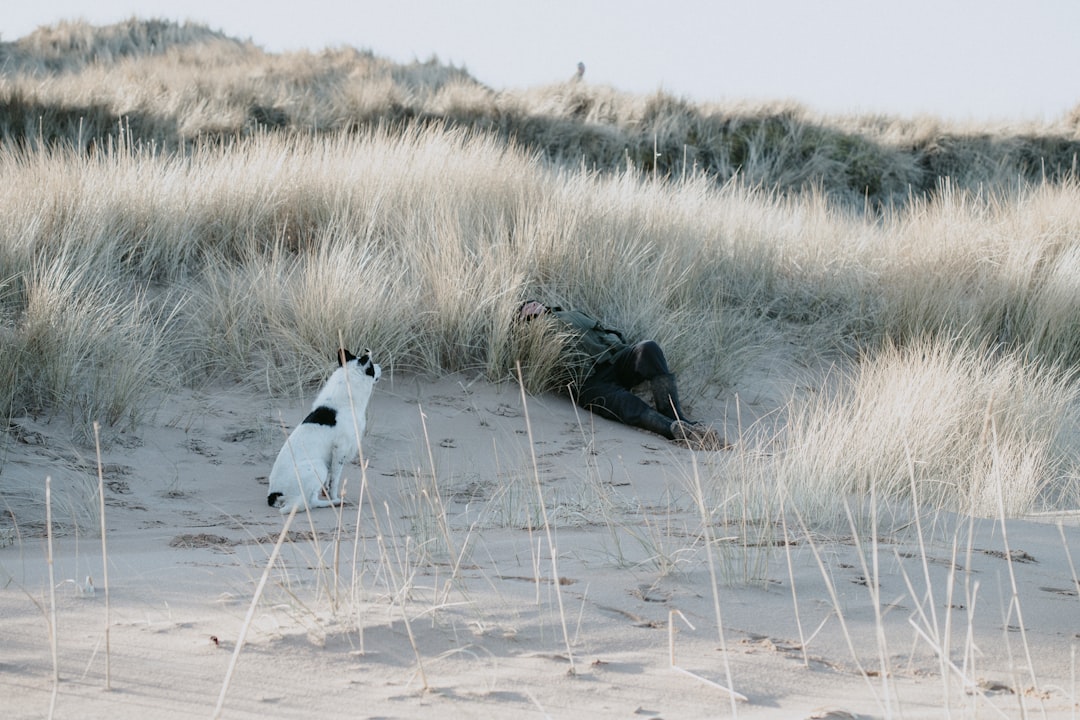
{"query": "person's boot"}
pixel 653 421
pixel 697 436
pixel 666 397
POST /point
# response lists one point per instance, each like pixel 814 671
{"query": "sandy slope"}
pixel 190 534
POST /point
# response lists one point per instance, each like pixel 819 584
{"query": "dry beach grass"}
pixel 893 534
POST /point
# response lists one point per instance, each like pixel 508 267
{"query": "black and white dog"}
pixel 307 472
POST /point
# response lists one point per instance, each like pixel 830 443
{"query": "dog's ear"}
pixel 344 356
pixel 365 357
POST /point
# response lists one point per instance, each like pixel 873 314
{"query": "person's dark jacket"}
pixel 592 343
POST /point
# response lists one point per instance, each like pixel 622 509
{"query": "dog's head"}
pixel 363 364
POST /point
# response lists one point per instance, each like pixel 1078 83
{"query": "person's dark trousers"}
pixel 607 391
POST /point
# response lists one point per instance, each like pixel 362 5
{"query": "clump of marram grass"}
pixel 85 345
pixel 276 320
pixel 949 426
pixel 986 267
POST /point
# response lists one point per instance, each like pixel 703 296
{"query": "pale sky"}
pixel 956 59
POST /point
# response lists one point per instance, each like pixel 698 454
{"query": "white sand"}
pixel 190 533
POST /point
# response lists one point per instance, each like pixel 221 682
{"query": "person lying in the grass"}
pixel 606 368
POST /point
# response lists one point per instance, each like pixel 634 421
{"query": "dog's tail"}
pixel 272 499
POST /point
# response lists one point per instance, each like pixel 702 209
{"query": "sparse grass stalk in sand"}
pixel 971 596
pixel 925 621
pixel 104 558
pixel 941 642
pixel 837 609
pixel 664 549
pixel 872 580
pixel 1014 601
pixel 434 496
pixel 706 529
pixel 402 589
pixel 357 574
pixel 242 635
pixel 1068 557
pixel 791 581
pixel 52 598
pixel 552 548
pixel 335 565
pixel 672 630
